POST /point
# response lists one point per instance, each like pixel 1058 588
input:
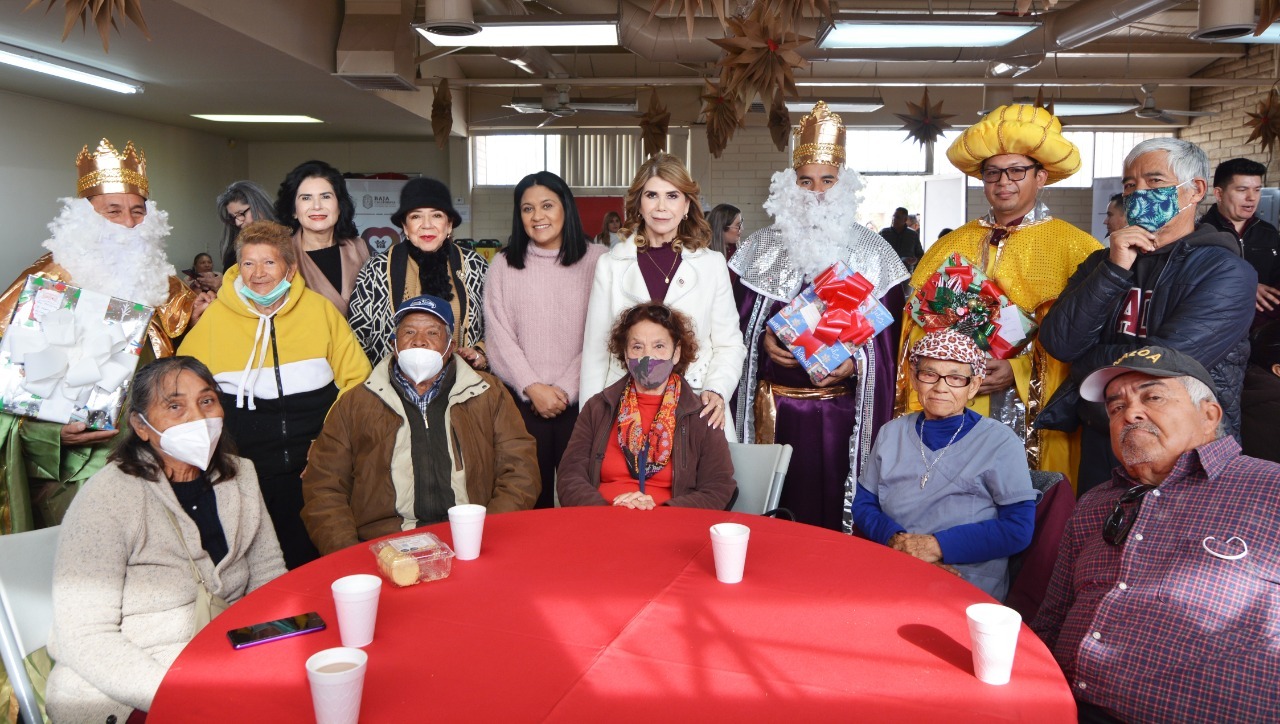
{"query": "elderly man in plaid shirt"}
pixel 1165 602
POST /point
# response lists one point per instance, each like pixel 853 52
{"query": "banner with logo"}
pixel 376 200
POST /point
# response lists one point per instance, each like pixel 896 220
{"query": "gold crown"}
pixel 107 171
pixel 819 138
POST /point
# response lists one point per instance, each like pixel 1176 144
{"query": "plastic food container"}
pixel 414 558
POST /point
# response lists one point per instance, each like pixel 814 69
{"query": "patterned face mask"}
pixel 1153 208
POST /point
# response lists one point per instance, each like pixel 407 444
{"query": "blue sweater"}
pixel 968 543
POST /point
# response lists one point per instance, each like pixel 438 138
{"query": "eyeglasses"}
pixel 733 227
pixel 929 377
pixel 239 216
pixel 1015 173
pixel 1115 530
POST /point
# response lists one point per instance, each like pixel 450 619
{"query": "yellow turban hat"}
pixel 1027 130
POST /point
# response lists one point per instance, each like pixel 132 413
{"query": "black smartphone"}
pixel 283 628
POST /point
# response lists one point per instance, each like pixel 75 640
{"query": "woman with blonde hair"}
pixel 665 258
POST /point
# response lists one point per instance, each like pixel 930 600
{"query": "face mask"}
pixel 1153 208
pixel 650 373
pixel 264 300
pixel 420 364
pixel 191 442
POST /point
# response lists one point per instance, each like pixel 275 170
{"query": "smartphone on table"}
pixel 260 633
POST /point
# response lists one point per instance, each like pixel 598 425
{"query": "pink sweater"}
pixel 534 318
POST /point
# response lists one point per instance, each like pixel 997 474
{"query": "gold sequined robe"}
pixel 1032 265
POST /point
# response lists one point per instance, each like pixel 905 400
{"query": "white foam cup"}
pixel 729 546
pixel 337 682
pixel 993 629
pixel 466 524
pixel 356 598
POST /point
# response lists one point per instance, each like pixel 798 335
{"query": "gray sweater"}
pixel 123 592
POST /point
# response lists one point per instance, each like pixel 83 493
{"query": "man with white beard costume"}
pixel 830 425
pixel 109 239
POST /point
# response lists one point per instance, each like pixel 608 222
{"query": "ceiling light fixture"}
pixel 873 30
pixel 233 118
pixel 66 69
pixel 837 105
pixel 1081 106
pixel 526 30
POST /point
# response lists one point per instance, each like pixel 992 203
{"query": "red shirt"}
pixel 615 479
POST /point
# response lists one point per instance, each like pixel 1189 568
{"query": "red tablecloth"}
pixel 581 613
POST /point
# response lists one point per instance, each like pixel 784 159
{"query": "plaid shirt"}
pixel 1157 629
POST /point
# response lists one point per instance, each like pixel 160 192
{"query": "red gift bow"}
pixel 841 325
pixel 841 321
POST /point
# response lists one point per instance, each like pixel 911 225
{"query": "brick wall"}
pixel 1223 136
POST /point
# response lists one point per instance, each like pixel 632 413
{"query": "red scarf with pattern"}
pixel 631 435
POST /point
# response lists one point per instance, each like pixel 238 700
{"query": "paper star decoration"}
pixel 1041 102
pixel 790 11
pixel 653 126
pixel 442 113
pixel 760 57
pixel 723 113
pixel 924 123
pixel 1266 122
pixel 691 10
pixel 779 121
pixel 102 12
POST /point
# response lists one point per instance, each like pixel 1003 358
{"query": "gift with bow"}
pixel 828 321
pixel 960 297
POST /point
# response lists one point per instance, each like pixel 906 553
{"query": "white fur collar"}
pixel 108 258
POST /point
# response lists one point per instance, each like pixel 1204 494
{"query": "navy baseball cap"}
pixel 428 304
pixel 1154 361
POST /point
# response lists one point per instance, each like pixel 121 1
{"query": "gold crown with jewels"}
pixel 819 138
pixel 107 171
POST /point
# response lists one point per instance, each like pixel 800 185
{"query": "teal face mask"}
pixel 264 300
pixel 1153 208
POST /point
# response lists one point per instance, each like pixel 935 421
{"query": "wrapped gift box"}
pixel 69 354
pixel 828 321
pixel 959 296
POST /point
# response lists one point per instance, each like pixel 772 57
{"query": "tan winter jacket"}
pixel 358 484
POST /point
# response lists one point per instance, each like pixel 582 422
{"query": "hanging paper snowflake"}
pixel 102 12
pixel 442 114
pixel 1266 122
pixel 653 126
pixel 924 123
pixel 760 57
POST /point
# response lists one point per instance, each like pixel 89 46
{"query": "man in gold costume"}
pixel 1015 151
pixel 109 239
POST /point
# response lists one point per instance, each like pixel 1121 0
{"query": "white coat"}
pixel 700 289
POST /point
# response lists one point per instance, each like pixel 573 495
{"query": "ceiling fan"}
pixel 1150 110
pixel 555 102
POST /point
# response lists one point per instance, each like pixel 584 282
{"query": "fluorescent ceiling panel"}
pixel 524 30
pixel 233 118
pixel 837 105
pixel 920 31
pixel 1269 36
pixel 66 69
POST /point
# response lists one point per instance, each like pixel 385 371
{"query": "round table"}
pixel 576 614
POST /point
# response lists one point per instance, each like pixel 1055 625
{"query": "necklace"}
pixel 929 466
pixel 666 275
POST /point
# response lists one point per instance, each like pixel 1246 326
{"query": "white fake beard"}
pixel 814 224
pixel 108 258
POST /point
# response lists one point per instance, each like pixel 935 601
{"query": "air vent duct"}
pixel 450 17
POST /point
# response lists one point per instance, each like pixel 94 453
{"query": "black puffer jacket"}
pixel 1202 305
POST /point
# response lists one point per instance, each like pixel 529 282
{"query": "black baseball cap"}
pixel 1154 361
pixel 427 304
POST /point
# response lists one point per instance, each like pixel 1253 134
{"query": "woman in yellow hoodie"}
pixel 281 355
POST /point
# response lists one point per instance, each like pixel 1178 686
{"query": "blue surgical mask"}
pixel 267 299
pixel 1153 208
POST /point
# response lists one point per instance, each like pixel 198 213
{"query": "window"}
pixel 872 152
pixel 584 158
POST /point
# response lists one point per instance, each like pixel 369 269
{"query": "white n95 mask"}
pixel 191 442
pixel 420 364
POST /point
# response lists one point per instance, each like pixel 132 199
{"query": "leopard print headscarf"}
pixel 952 346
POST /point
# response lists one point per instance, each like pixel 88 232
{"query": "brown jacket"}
pixel 358 484
pixel 703 472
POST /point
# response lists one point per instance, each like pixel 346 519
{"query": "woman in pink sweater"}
pixel 535 312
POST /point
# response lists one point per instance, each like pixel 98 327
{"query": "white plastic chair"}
pixel 759 471
pixel 26 606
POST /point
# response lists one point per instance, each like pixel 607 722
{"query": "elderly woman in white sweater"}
pixel 173 502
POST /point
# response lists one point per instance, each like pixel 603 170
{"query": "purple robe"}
pixel 828 434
